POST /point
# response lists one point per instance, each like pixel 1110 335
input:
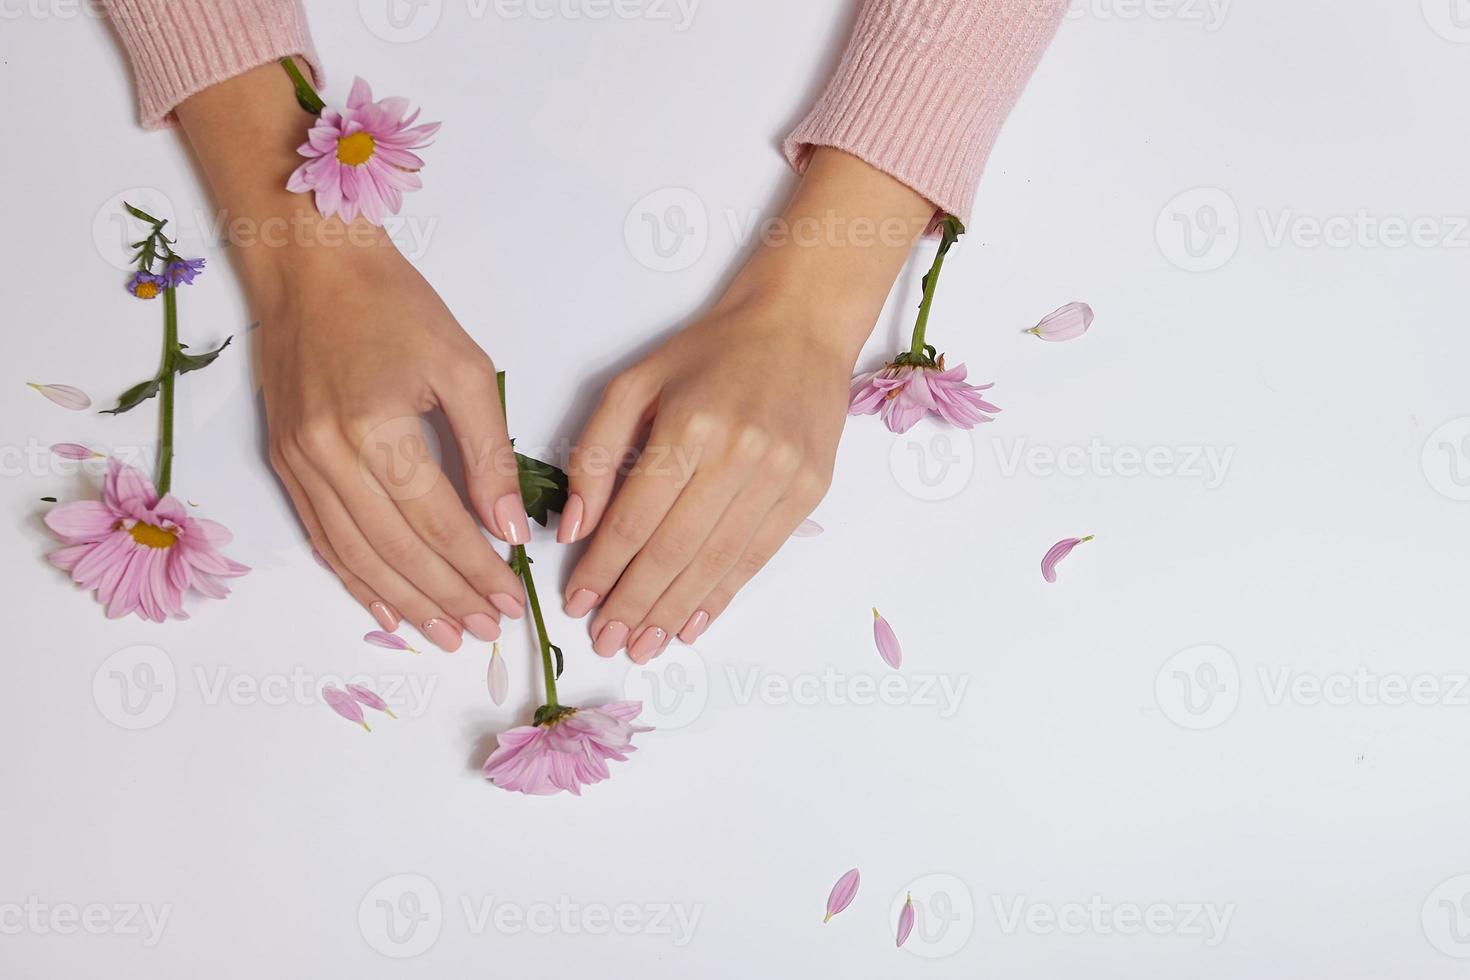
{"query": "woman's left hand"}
pixel 745 407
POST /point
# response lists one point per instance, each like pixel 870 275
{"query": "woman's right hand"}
pixel 355 346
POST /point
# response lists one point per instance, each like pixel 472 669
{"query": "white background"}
pixel 1120 738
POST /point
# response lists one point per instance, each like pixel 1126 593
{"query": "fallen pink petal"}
pixel 1056 553
pixel 345 705
pixel 906 921
pixel 66 396
pixel 842 893
pixel 497 679
pixel 388 641
pixel 569 751
pixel 316 556
pixel 72 450
pixel 887 641
pixel 807 529
pixel 362 695
pixel 1067 323
pixel 138 551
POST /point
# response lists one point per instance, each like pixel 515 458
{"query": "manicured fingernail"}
pixel 510 518
pixel 647 644
pixel 695 628
pixel 581 603
pixel 385 615
pixel 571 519
pixel 509 604
pixel 611 639
pixel 442 633
pixel 482 627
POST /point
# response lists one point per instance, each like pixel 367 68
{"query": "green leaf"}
pixel 544 488
pixel 195 362
pixel 49 500
pixel 557 650
pixel 134 396
pixel 142 215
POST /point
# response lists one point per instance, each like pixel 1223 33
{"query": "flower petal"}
pixel 72 450
pixel 66 396
pixel 887 642
pixel 807 529
pixel 1056 553
pixel 388 641
pixel 497 678
pixel 362 695
pixel 344 704
pixel 905 920
pixel 842 893
pixel 1067 323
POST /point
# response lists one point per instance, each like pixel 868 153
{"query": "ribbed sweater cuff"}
pixel 180 47
pixel 924 87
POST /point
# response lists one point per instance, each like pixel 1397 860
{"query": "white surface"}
pixel 1331 834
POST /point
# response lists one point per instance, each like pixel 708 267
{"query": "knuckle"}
pixel 810 486
pixel 437 531
pixel 355 556
pixel 668 551
pixel 628 528
pixel 700 426
pixel 749 443
pixel 717 558
pixel 315 435
pixel 784 457
pixel 396 550
pixel 622 389
pixel 751 562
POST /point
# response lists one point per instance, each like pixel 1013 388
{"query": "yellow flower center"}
pixel 355 150
pixel 151 536
pixel 146 290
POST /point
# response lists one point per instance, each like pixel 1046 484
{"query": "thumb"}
pixel 472 406
pixel 609 439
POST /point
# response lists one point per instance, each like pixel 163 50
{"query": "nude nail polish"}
pixel 385 614
pixel 571 519
pixel 510 519
pixel 442 633
pixel 482 626
pixel 647 644
pixel 695 628
pixel 508 604
pixel 611 639
pixel 581 603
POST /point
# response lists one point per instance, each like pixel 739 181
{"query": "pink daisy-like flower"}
pixel 566 752
pixel 905 393
pixel 359 159
pixel 138 552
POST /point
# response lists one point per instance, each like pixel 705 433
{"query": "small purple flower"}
pixel 182 272
pixel 145 285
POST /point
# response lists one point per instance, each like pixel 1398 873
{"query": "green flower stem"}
pixel 168 372
pixel 952 230
pixel 306 96
pixel 521 562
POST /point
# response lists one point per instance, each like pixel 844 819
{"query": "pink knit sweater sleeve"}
pixel 924 87
pixel 180 47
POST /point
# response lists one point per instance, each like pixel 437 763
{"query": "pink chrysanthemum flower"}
pixel 359 160
pixel 903 393
pixel 138 552
pixel 566 752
